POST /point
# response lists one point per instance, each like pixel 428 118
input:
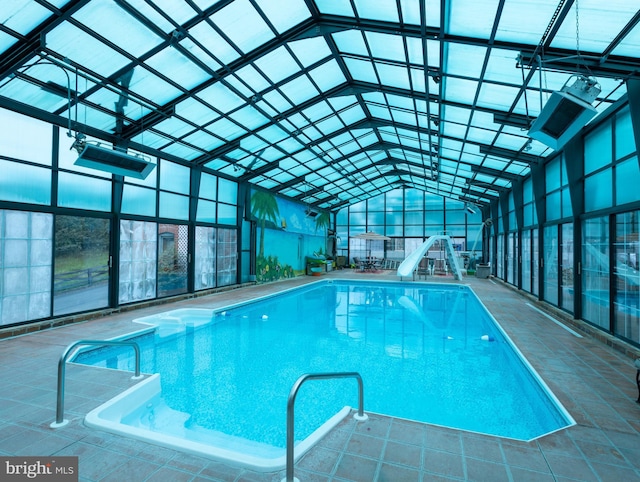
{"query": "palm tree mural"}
pixel 264 206
pixel 322 220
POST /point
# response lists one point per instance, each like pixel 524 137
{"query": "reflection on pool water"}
pixel 426 352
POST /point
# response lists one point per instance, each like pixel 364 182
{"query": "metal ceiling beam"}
pixel 509 154
pixel 495 173
pixel 471 184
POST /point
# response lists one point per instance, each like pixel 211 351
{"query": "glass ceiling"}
pixel 326 101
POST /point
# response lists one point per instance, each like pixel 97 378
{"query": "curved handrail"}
pixel 291 401
pixel 60 421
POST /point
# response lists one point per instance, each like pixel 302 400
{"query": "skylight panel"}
pixel 471 18
pixel 174 127
pixel 93 117
pixel 599 23
pixel 31 94
pixel 277 65
pixel 272 134
pixel 148 85
pixel 497 96
pixel 454 130
pixel 312 133
pixel 393 75
pixel 268 184
pixel 288 163
pixel 200 54
pixel 385 46
pixel 389 137
pixel 466 60
pixel 417 81
pixel 108 98
pixel 502 67
pixel 318 111
pixel 460 90
pixel 243 25
pixel 114 24
pixel 175 66
pixel 350 42
pixel 361 70
pixel 410 10
pixel 328 75
pixel 538 14
pixel 22 17
pixel 335 8
pixel 220 97
pixel 481 135
pixel 299 89
pixel 315 163
pixel 271 154
pixel 415 51
pixel 310 50
pixel 509 141
pixel 180 150
pixel 151 139
pixel 203 140
pixel 290 145
pixel 226 129
pixel 254 79
pixel 284 14
pixel 6 41
pixel 352 115
pixel 403 117
pixel 630 44
pixel 249 117
pixel 386 10
pixel 84 49
pixel 211 40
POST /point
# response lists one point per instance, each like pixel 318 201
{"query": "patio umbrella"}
pixel 370 236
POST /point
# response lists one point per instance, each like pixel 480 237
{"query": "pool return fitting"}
pixel 360 415
pixel 60 421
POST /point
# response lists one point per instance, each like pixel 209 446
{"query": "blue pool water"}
pixel 426 352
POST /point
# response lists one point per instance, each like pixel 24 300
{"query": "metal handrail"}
pixel 360 415
pixel 60 421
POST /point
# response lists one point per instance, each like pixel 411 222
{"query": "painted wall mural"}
pixel 290 231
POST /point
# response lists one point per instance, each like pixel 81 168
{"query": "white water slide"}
pixel 411 262
pixel 623 270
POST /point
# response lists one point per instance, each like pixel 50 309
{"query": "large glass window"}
pixel 598 149
pixel 625 140
pixel 627 276
pixel 566 267
pixel 205 258
pixel 526 260
pixel 227 256
pixel 25 266
pixel 535 261
pixel 84 192
pixel 173 244
pixel 500 257
pixel 595 271
pixel 81 275
pixel 18 135
pixel 138 255
pixel 551 267
pixel 627 181
pixel 510 258
pixel 24 183
pixel 599 191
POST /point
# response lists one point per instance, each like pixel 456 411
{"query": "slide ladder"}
pixel 408 266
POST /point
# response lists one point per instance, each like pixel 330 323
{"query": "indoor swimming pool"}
pixel 426 352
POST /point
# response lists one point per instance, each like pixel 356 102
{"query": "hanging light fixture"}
pixel 569 109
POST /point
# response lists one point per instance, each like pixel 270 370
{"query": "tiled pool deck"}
pixel 595 382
